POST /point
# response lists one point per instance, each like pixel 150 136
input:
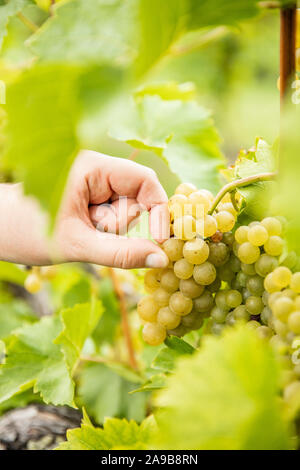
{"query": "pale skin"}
pixel 93 197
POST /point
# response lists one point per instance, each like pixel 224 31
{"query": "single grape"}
pixel 208 194
pixel 185 227
pixel 154 334
pixel 196 251
pixel 266 315
pixel 242 278
pixel 265 298
pixel 253 325
pixel 173 248
pixel 246 294
pixel 214 286
pixel 204 303
pixel 273 297
pixel 248 253
pixel 274 246
pixel 227 207
pixel 200 204
pixel 180 304
pixel 265 264
pixel 272 225
pixel 221 300
pixel 258 235
pixel 206 227
pixel 147 309
pixel 168 319
pixel 230 320
pixel 218 315
pixel 185 188
pixel 183 269
pixel 225 221
pixel 295 283
pixel 193 320
pixel 225 273
pixel 216 328
pixel 179 331
pixel 33 283
pixel 234 264
pixel 282 307
pixel 269 284
pixel 282 276
pixel 233 298
pixel 294 322
pixel 248 269
pixel 241 234
pixel 177 205
pixel 279 346
pixel 204 273
pixel 228 238
pixel 290 260
pixel 190 288
pixel 169 281
pixel 218 254
pixel 254 305
pixel 255 285
pixel 161 297
pixel 235 248
pixel 240 313
pixel 264 332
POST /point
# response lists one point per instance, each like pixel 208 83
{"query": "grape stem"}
pixel 124 318
pixel 228 188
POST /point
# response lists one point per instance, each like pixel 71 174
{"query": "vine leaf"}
pixel 7 11
pixel 223 397
pixel 180 132
pixel 117 434
pixel 14 314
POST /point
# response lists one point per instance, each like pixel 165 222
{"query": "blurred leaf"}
pixel 13 315
pixel 19 401
pixel 34 360
pixel 168 90
pixel 105 331
pixel 182 133
pixel 10 272
pixel 105 393
pixel 78 323
pixel 224 397
pixel 156 382
pixel 6 12
pixel 166 358
pixel 116 434
pixel 179 345
pixel 79 293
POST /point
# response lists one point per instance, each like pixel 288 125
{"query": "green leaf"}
pixel 34 360
pixel 105 393
pixel 168 90
pixel 13 315
pixel 179 345
pixel 78 323
pixel 116 434
pixel 156 382
pixel 165 360
pixel 224 397
pixel 79 293
pixel 42 108
pixel 105 331
pixel 10 272
pixel 19 401
pixel 6 12
pixel 182 133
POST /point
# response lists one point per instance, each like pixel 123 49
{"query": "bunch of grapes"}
pixel 37 275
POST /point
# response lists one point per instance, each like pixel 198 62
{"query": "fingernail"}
pixel 157 261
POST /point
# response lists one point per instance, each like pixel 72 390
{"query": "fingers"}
pixel 115 217
pixel 108 249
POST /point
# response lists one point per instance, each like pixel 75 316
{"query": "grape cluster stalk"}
pixel 222 274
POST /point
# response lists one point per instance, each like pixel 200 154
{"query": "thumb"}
pixel 120 252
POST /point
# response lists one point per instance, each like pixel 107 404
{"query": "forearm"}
pixel 23 225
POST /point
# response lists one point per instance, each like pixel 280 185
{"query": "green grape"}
pixel 233 298
pixel 152 278
pixel 225 221
pixel 282 276
pixel 216 328
pixel 221 300
pixel 179 331
pixel 169 281
pixel 248 253
pixel 264 332
pixel 255 285
pixel 154 334
pixel 295 283
pixel 206 226
pixel 290 260
pixel 235 248
pixel 218 254
pixel 227 207
pixel 205 273
pixel 173 248
pixel 265 298
pixel 230 320
pixel 282 307
pixel 177 205
pixel 279 346
pixel 180 304
pixel 214 286
pixel 183 269
pixel 228 238
pixel 218 315
pixel 204 303
pixel 265 264
pixel 168 319
pixel 147 309
pixel 294 322
pixel 273 297
pixel 241 234
pixel 196 251
pixel 235 285
pixel 289 293
pixel 269 284
pixel 200 204
pixel 161 297
pixel 254 305
pixel 272 225
pixel 266 315
pixel 186 189
pixel 225 273
pixel 193 320
pixel 258 235
pixel 240 313
pixel 242 278
pixel 253 325
pixel 185 227
pixel 280 327
pixel 190 288
pixel 248 269
pixel 234 264
pixel 274 246
pixel 33 283
pixel 246 294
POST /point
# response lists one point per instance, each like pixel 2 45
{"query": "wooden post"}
pixel 288 29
